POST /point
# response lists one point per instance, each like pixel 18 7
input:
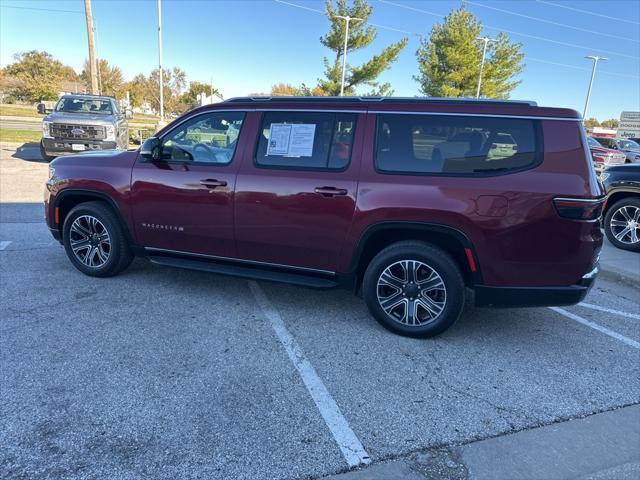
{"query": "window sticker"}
pixel 291 140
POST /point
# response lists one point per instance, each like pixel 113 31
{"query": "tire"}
pixel 445 296
pixel 43 153
pixel 95 240
pixel 624 216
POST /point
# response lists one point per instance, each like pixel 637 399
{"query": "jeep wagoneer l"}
pixel 415 203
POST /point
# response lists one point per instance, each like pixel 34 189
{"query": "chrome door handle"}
pixel 213 183
pixel 330 191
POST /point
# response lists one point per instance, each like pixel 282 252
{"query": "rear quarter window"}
pixel 456 145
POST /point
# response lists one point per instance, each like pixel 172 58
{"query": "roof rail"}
pixel 288 99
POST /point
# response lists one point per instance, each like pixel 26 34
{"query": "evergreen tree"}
pixel 360 36
pixel 449 60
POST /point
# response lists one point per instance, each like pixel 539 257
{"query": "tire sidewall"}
pixel 113 229
pixel 434 258
pixel 607 223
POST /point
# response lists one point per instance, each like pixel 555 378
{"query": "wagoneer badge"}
pixel 157 226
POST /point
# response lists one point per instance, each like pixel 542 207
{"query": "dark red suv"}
pixel 413 202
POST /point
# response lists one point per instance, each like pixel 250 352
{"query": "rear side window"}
pixel 455 145
pixel 303 140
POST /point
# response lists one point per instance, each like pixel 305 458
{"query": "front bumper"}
pixel 61 146
pixel 535 296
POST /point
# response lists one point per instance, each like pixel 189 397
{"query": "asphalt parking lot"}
pixel 162 373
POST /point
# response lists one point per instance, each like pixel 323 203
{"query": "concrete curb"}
pixel 611 274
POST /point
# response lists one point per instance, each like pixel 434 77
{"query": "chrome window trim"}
pixel 585 200
pixel 491 115
pixel 239 260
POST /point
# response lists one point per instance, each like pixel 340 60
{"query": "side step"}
pixel 244 271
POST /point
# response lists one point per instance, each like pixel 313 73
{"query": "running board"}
pixel 244 271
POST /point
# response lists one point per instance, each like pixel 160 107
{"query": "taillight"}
pixel 600 158
pixel 579 208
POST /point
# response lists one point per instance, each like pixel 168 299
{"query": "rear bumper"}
pixel 535 296
pixel 60 146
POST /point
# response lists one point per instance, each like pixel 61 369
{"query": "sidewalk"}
pixel 619 265
pixel 605 446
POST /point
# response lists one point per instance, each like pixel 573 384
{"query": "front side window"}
pixel 210 138
pixel 306 140
pixel 455 145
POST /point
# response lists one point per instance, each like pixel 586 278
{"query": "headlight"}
pixel 110 131
pixel 52 172
pixel 46 129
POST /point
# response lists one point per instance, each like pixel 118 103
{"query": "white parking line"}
pixel 352 450
pixel 595 326
pixel 609 310
pixel 4 244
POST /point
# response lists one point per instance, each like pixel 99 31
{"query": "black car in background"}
pixel 622 208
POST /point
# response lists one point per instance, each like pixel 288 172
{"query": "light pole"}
pixel 486 41
pixel 347 19
pixel 160 62
pixel 595 59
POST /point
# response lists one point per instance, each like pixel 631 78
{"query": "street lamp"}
pixel 486 41
pixel 347 19
pixel 595 59
pixel 160 63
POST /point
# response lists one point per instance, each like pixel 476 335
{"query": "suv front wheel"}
pixel 414 289
pixel 95 241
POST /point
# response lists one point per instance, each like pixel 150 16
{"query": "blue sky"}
pixel 246 46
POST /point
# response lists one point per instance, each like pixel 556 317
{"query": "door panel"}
pixel 187 205
pixel 296 217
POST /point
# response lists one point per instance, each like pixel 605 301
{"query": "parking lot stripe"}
pixel 352 449
pixel 595 326
pixel 609 310
pixel 4 244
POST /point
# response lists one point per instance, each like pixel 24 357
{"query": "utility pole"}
pixel 595 59
pixel 160 62
pixel 486 41
pixel 93 64
pixel 347 19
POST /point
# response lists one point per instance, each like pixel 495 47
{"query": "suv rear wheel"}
pixel 414 289
pixel 622 224
pixel 95 241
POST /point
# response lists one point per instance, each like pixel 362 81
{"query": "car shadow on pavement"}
pixel 30 152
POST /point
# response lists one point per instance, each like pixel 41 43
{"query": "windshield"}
pixel 629 145
pixel 84 105
pixel 592 142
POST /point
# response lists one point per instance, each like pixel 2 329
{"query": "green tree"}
pixel 110 78
pixel 591 122
pixel 611 123
pixel 146 89
pixel 286 90
pixel 189 99
pixel 37 76
pixel 449 60
pixel 360 36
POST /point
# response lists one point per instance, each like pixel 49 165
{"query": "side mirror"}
pixel 42 109
pixel 151 149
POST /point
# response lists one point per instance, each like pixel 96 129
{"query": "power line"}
pixel 588 12
pixel 42 9
pixel 512 32
pixel 550 22
pixel 377 25
pixel 575 67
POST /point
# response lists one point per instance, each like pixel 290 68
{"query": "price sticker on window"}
pixel 291 140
